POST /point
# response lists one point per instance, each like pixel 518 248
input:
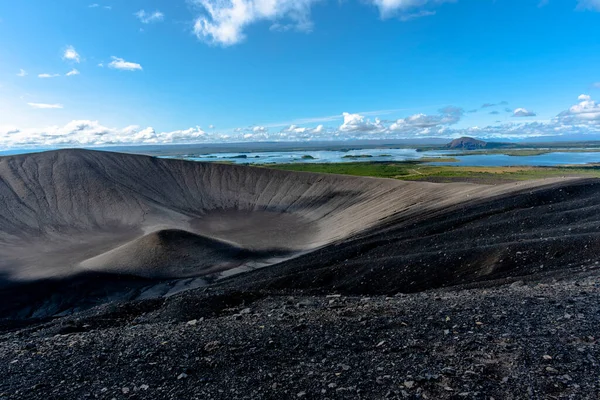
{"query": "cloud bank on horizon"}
pixel 580 119
pixel 226 26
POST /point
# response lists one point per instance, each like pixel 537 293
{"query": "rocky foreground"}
pixel 535 339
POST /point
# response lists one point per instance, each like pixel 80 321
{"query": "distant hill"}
pixel 467 143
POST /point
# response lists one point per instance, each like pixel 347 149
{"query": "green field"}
pixel 418 171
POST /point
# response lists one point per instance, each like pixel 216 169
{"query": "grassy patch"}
pixel 375 169
pixel 417 171
pixel 359 156
pixel 438 159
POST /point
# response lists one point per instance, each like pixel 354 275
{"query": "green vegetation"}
pixel 376 169
pixel 418 171
pixel 359 156
pixel 438 159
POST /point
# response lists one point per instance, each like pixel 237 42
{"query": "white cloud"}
pixel 92 133
pixel 358 123
pixel 583 118
pixel 45 106
pixel 191 134
pixel 295 129
pixel 22 73
pixel 72 72
pixel 96 5
pixel 46 76
pixel 260 129
pixel 148 18
pixel 71 55
pixel 224 21
pixel 522 112
pixel 211 127
pixel 297 132
pixel 119 63
pixel 448 116
pixel 587 111
pixel 407 9
pixel 593 5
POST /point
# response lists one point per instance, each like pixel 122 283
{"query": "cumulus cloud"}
pixel 407 8
pixel 148 18
pixel 523 112
pixel 22 73
pixel 45 106
pixel 92 133
pixel 358 123
pixel 223 21
pixel 580 119
pixel 423 123
pixel 587 111
pixel 300 132
pixel 72 72
pixel 121 64
pixel 584 97
pixel 260 129
pixel 71 55
pixel 46 76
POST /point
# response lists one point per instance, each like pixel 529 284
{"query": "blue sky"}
pixel 76 72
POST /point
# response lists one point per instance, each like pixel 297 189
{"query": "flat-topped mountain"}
pixel 466 143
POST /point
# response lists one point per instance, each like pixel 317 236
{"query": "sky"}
pixel 117 72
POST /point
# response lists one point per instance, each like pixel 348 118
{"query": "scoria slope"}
pixel 79 228
pixel 61 208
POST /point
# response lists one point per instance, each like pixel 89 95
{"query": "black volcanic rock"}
pixel 466 143
pixel 418 290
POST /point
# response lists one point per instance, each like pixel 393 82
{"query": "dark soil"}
pixel 536 339
pixel 492 294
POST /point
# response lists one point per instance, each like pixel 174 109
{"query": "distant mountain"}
pixel 467 143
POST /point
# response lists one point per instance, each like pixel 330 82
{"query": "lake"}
pixel 543 160
pixel 370 155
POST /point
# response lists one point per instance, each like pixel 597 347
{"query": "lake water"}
pixel 544 160
pixel 322 156
pixel 369 155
